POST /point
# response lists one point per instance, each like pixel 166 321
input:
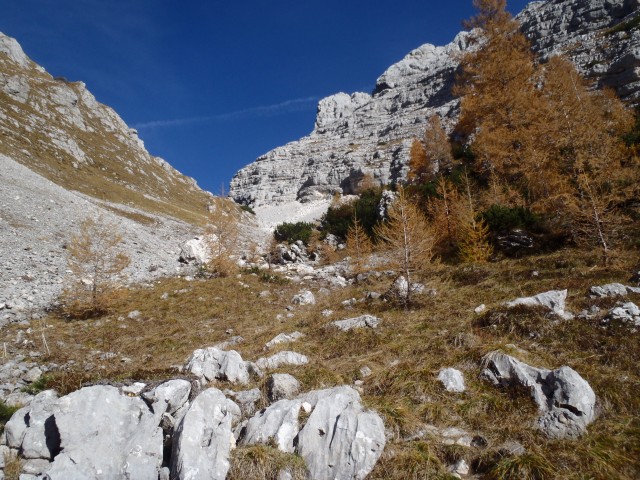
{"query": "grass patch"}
pixel 264 462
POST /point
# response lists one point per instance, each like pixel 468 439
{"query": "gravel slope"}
pixel 37 217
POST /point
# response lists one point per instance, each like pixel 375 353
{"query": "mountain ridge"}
pixel 371 134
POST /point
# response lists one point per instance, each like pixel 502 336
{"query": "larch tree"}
pixel 359 246
pixel 444 211
pixel 437 146
pixel 407 239
pixel 499 98
pixel 97 261
pixel 418 165
pixel 221 239
pixel 589 154
pixel 473 244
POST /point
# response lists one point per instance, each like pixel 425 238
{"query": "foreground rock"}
pixel 628 313
pixel 565 400
pixel 340 440
pixel 203 438
pixel 104 434
pixel 553 300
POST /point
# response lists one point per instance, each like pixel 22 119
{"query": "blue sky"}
pixel 212 85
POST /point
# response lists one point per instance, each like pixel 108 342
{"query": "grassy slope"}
pixel 405 355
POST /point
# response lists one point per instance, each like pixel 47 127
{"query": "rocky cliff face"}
pixel 362 134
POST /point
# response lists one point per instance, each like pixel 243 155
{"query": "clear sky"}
pixel 212 85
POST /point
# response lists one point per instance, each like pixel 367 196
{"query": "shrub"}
pixel 247 208
pixel 292 232
pixel 96 260
pixel 338 220
pixel 500 218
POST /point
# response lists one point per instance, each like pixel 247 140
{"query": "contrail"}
pixel 293 105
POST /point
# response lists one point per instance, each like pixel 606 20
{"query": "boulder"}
pixel 340 438
pixel 452 379
pixel 612 290
pixel 283 338
pixel 400 288
pixel 357 322
pixel 553 300
pixel 628 312
pixel 169 399
pixel 203 438
pixel 277 422
pixel 32 429
pixel 282 385
pixel 305 297
pixel 280 359
pixel 104 434
pixel 194 251
pixel 214 364
pixel 565 400
pixel 246 399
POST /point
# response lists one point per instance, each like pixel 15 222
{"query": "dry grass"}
pixel 262 462
pixel 405 355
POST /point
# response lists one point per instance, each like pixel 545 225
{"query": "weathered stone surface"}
pixel 612 290
pixel 278 422
pixel 554 300
pixel 104 434
pixel 283 338
pixel 363 321
pixel 280 359
pixel 370 134
pixel 628 312
pixel 340 439
pixel 246 399
pixel 169 398
pixel 565 400
pixel 282 385
pixel 305 297
pixel 194 250
pixel 452 379
pixel 211 363
pixel 203 438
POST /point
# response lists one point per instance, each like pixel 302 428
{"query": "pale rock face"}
pixel 203 438
pixel 553 300
pixel 452 380
pixel 565 400
pixel 211 363
pixel 10 47
pixel 362 134
pixel 280 359
pixel 105 434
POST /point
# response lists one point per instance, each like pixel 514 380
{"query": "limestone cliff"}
pixel 364 133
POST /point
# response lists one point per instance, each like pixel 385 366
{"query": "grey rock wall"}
pixel 371 134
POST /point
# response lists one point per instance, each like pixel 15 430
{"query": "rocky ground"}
pixel 37 219
pixel 308 359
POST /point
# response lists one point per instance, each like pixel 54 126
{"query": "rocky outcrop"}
pixel 553 300
pixel 565 400
pixel 203 438
pixel 363 321
pixel 213 364
pixel 370 134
